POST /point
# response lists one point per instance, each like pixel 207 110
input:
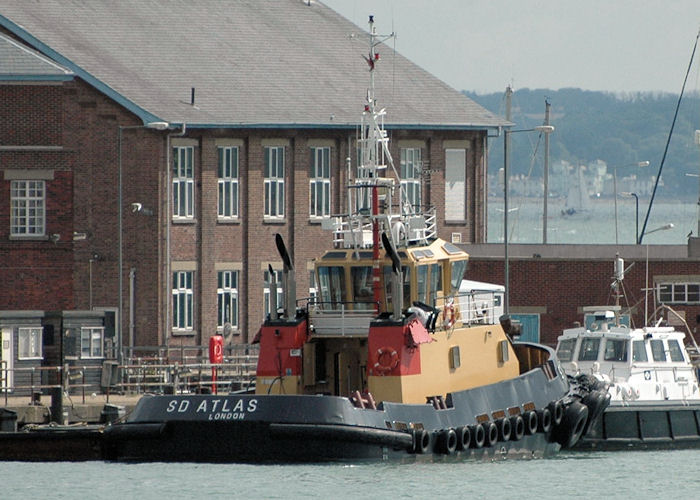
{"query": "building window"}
pixel 679 293
pixel 183 296
pixel 227 294
pixel 92 342
pixel 320 183
pixel 183 182
pixel 266 291
pixel 455 184
pixel 411 178
pixel 29 343
pixel 274 182
pixel 28 208
pixel 228 182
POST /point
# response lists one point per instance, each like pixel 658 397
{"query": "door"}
pixel 6 359
pixel 529 326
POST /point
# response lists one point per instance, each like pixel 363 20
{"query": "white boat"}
pixel 650 374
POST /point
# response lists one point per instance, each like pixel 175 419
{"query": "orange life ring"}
pixel 387 360
pixel 449 314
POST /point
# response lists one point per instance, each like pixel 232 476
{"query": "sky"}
pixel 483 45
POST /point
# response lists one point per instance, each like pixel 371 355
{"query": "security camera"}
pixel 136 207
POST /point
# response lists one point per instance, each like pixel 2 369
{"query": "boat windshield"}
pixel 615 350
pixel 639 351
pixel 435 279
pixel 674 350
pixel 388 283
pixel 331 282
pixel 589 349
pixel 362 292
pixel 565 351
pixel 458 269
pixel 657 350
pixel 422 283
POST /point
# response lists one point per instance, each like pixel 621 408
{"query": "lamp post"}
pixel 546 129
pixel 636 218
pixel 646 286
pixel 638 164
pixel 120 228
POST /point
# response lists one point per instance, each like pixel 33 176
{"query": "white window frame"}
pixel 29 342
pixel 91 338
pixel 411 166
pixel 678 289
pixel 320 183
pixel 228 184
pixel 274 182
pixel 266 291
pixel 183 182
pixel 28 208
pixel 227 298
pixel 183 301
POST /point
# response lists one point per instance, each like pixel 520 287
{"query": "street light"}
pixel 120 229
pixel 638 164
pixel 636 211
pixel 646 286
pixel 546 129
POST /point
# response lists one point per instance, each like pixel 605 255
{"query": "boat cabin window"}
pixel 435 281
pixel 458 269
pixel 388 281
pixel 615 350
pixel 589 349
pixel 422 282
pixel 565 351
pixel 639 351
pixel 657 350
pixel 331 283
pixel 362 291
pixel 675 351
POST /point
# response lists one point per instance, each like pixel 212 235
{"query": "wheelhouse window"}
pixel 320 183
pixel 615 350
pixel 589 349
pixel 362 290
pixel 269 285
pixel 639 351
pixel 274 182
pixel 183 300
pixel 29 343
pixel 422 283
pixel 674 349
pixel 92 342
pixel 565 351
pixel 389 287
pixel 28 208
pixel 458 269
pixel 435 281
pixel 331 286
pixel 183 182
pixel 679 293
pixel 411 178
pixel 228 182
pixel 657 350
pixel 227 298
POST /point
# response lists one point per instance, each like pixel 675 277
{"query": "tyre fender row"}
pixel 487 434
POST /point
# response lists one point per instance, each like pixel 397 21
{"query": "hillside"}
pixel 617 129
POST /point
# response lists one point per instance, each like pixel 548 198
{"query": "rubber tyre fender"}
pixel 464 437
pixel 569 431
pixel 544 421
pixel 491 431
pixel 504 429
pixel 517 428
pixel 447 441
pixel 557 411
pixel 478 436
pixel 423 441
pixel 531 422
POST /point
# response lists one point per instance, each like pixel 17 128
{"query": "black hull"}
pixel 288 429
pixel 645 426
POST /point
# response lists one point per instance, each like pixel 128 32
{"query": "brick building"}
pixel 149 151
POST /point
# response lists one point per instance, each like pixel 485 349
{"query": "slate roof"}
pixel 18 62
pixel 255 63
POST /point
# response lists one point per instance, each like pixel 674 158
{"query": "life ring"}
pixel 387 360
pixel 449 314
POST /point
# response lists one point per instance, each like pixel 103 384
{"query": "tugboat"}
pixel 388 361
pixel 650 376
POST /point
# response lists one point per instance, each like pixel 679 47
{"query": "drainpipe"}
pixel 132 277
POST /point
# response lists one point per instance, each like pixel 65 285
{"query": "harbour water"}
pixel 611 475
pixel 595 224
